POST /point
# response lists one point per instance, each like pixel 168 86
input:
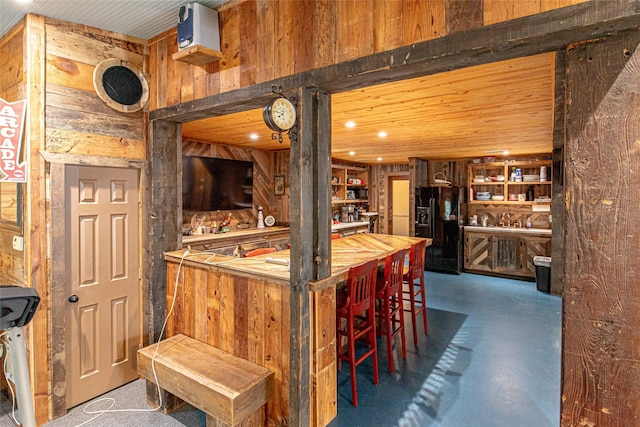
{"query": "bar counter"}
pixel 241 305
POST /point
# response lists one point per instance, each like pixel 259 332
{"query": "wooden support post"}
pixel 162 194
pixel 601 309
pixel 34 225
pixel 304 246
pixel 557 179
pixel 322 178
pixel 162 220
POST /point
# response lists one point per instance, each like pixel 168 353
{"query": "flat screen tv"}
pixel 210 184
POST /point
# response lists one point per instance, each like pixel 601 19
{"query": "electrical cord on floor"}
pixel 99 412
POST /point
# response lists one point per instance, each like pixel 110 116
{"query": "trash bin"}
pixel 543 272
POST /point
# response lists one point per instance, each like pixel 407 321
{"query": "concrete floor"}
pixel 491 359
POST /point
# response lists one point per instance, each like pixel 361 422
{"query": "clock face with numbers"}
pixel 279 114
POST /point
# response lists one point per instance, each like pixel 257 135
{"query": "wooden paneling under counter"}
pixel 505 251
pixel 242 306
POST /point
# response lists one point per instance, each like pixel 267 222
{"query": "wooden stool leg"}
pixel 424 305
pixel 373 340
pixel 386 323
pixel 412 299
pixel 352 361
pixel 398 300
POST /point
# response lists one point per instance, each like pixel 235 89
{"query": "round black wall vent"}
pixel 120 85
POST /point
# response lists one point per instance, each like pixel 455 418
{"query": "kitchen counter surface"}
pixel 345 253
pixel 514 230
pixel 233 234
pixel 346 225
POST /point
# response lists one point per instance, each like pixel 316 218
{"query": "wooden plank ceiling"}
pixel 466 113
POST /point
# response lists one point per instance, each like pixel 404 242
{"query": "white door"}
pixel 400 204
pixel 103 291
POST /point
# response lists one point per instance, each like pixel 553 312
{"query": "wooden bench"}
pixel 226 387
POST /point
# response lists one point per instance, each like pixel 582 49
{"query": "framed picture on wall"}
pixel 279 185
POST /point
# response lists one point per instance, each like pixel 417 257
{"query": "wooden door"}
pixel 103 292
pixel 477 252
pixel 506 254
pixel 399 206
pixel 531 247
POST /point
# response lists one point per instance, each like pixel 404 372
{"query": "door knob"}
pixel 74 298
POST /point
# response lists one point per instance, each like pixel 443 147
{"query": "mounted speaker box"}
pixel 198 25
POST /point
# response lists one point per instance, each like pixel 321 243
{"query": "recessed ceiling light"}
pixel 350 124
pixel 352 153
pixel 254 136
pixel 382 134
pixel 379 159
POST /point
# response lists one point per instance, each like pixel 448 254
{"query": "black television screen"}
pixel 210 184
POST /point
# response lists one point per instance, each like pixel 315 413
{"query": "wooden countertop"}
pixel 233 234
pixel 345 253
pixel 347 225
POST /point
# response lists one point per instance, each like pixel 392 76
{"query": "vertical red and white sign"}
pixel 11 126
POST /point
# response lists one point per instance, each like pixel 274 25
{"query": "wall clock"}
pixel 279 114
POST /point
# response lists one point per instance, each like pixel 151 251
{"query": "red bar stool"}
pixel 413 289
pixel 335 236
pixel 357 300
pixel 390 311
pixel 259 251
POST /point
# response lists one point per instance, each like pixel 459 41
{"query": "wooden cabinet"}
pixel 477 252
pixel 349 184
pixel 478 173
pixel 500 253
pixel 533 246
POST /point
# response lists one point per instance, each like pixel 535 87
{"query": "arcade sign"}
pixel 11 125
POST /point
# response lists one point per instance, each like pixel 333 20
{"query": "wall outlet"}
pixel 18 243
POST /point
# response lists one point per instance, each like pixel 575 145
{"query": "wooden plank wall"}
pixel 245 317
pixel 78 121
pixel 503 10
pixel 58 59
pixel 601 357
pixel 265 39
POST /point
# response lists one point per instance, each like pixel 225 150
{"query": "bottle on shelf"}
pixel 530 196
pixel 260 217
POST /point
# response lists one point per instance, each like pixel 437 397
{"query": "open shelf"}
pixel 197 55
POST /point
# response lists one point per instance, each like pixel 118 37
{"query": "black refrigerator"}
pixel 437 215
